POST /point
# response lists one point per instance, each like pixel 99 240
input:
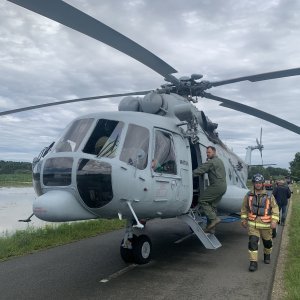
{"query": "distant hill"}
pixel 13 167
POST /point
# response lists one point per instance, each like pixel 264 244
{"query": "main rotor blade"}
pixel 262 165
pixel 254 112
pixel 8 112
pixel 260 77
pixel 69 16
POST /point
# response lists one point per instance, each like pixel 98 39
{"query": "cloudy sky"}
pixel 42 61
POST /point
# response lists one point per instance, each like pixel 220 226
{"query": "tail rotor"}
pixel 260 146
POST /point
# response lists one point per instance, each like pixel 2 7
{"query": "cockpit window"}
pixel 105 138
pixel 58 171
pixel 71 140
pixel 136 145
pixel 164 155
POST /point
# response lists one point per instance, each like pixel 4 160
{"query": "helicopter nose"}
pixel 59 206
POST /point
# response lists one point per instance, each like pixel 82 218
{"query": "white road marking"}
pixel 118 273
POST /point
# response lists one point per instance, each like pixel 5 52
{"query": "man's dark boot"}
pixel 213 223
pixel 253 266
pixel 267 258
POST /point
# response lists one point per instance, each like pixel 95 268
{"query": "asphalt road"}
pixel 93 269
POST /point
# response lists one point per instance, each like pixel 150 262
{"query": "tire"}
pixel 127 254
pixel 142 250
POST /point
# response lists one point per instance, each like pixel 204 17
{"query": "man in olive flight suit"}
pixel 209 199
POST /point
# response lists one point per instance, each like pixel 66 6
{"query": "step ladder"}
pixel 208 240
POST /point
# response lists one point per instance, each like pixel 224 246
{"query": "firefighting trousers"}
pixel 254 236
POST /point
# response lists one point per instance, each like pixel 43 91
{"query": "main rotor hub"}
pixel 187 86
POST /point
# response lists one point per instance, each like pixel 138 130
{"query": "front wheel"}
pixel 142 250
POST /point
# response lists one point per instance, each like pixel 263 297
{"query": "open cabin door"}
pixel 197 153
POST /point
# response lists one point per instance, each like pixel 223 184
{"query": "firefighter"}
pixel 260 214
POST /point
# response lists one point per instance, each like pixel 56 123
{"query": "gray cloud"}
pixel 42 61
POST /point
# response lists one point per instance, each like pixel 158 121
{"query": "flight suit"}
pixel 209 199
pixel 256 226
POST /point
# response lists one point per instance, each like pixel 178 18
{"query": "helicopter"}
pixel 104 164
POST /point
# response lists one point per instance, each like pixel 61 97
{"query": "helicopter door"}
pixel 204 178
pixel 185 187
pixel 134 161
pixel 170 170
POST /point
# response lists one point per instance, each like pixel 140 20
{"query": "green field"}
pixel 15 180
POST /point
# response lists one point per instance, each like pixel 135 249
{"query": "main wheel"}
pixel 127 254
pixel 142 250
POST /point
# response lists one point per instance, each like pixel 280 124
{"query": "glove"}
pixel 273 225
pixel 244 223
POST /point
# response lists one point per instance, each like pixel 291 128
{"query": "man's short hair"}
pixel 212 148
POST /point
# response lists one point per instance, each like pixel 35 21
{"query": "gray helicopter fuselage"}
pixel 106 163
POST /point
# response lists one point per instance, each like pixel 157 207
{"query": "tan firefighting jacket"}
pixel 259 210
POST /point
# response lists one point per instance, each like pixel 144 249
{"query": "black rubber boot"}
pixel 267 258
pixel 253 266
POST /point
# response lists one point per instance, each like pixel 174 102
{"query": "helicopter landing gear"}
pixel 126 249
pixel 142 250
pixel 135 249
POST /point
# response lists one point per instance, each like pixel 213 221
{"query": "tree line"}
pixel 279 173
pixel 275 173
pixel 13 167
pixel 295 167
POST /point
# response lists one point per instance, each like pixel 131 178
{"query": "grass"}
pixel 34 239
pixel 31 240
pixel 15 180
pixel 292 268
